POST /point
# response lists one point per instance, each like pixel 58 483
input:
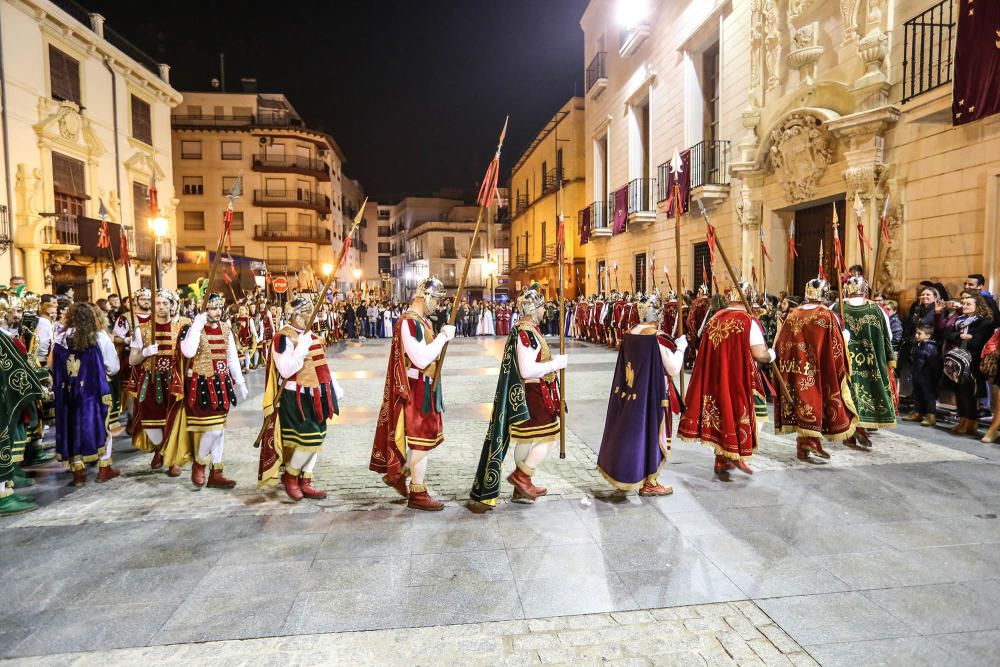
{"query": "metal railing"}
pixel 549 254
pixel 521 261
pixel 597 69
pixel 550 180
pixel 62 230
pixel 522 202
pixel 292 198
pixel 710 163
pixel 446 253
pixel 599 218
pixel 928 49
pixel 143 245
pixel 290 162
pixel 291 233
pixel 640 195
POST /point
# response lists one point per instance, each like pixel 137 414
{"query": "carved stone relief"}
pixel 801 151
pixel 772 43
pixel 849 12
pixel 889 276
pixel 862 180
pixel 805 52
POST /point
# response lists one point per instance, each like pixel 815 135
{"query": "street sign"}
pixel 279 285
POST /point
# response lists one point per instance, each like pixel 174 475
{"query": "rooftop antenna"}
pixel 222 70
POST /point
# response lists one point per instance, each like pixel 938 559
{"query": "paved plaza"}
pixel 882 557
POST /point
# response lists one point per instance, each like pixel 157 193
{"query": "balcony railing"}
pixel 446 253
pixel 304 233
pixel 522 202
pixel 550 253
pixel 142 246
pixel 708 163
pixel 597 69
pixel 640 195
pixel 928 50
pixel 5 239
pixel 293 163
pixel 521 262
pixel 64 230
pixel 294 198
pixel 550 180
pixel 599 218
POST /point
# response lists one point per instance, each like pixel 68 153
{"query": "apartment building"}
pixel 289 220
pixel 549 180
pixel 86 121
pixel 784 114
pixel 360 268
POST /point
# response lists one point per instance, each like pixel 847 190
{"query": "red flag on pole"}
pixel 123 256
pixel 884 222
pixel 792 252
pixel 103 238
pixel 763 246
pixel 710 237
pixel 154 205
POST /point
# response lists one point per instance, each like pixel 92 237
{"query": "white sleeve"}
pixel 189 344
pixel 108 353
pixel 526 364
pixel 233 358
pixel 291 360
pixel 756 334
pixel 121 327
pixel 421 354
pixel 43 334
pixel 136 340
pixel 673 361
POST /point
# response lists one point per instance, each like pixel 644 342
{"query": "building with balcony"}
pixel 782 116
pixel 361 266
pixel 86 121
pixel 549 180
pixel 290 219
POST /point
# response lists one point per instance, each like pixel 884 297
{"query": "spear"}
pixel 859 210
pixel 561 251
pixel 104 241
pixel 675 168
pixel 227 221
pixel 487 193
pixel 269 420
pixel 736 283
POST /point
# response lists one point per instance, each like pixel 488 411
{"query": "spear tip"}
pixel 675 161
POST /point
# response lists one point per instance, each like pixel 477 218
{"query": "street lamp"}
pixel 631 13
pixel 161 228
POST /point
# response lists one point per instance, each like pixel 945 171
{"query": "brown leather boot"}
pixel 291 483
pixel 742 465
pixel 655 489
pixel 174 471
pixel 522 484
pixel 80 477
pixel 814 446
pixel 397 482
pixel 216 480
pixel 106 473
pixel 157 461
pixel 421 500
pixel 198 474
pixel 722 467
pixel 309 491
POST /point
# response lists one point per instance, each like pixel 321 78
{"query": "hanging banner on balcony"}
pixel 620 199
pixel 685 183
pixel 585 226
pixel 976 92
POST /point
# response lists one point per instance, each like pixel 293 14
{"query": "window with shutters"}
pixel 140 205
pixel 641 272
pixel 237 220
pixel 193 185
pixel 702 265
pixel 227 184
pixel 232 150
pixel 64 76
pixel 190 150
pixel 277 221
pixel 69 185
pixel 194 220
pixel 142 125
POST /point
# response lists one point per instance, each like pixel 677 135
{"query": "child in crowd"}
pixel 895 324
pixel 925 374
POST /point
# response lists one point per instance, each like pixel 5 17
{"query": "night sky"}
pixel 414 92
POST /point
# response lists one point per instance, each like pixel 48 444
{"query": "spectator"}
pixel 977 282
pixel 970 328
pixel 895 324
pixel 925 376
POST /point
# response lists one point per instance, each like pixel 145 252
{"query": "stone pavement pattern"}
pixel 886 556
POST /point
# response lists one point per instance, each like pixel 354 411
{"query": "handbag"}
pixel 958 364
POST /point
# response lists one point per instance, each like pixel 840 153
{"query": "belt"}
pixel 291 385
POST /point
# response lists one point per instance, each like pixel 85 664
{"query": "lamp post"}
pixel 160 228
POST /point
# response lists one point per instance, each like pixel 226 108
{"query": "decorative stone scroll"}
pixel 801 151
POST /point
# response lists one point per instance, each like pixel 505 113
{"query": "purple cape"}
pixel 82 397
pixel 630 450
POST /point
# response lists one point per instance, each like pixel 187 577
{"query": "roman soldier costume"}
pixel 409 422
pixel 206 377
pixel 309 398
pixel 812 359
pixel 526 407
pixel 643 400
pixel 720 407
pixel 122 335
pixel 669 323
pixel 696 320
pixel 872 361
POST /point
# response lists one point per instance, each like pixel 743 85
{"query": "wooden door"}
pixel 813 225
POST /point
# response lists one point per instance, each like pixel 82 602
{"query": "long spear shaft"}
pixel 222 239
pixel 485 200
pixel 561 249
pixel 677 250
pixel 743 297
pixel 312 318
pixel 128 285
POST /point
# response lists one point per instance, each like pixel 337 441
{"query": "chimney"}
pixel 249 84
pixel 97 24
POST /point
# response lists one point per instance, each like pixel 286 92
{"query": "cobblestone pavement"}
pixel 881 557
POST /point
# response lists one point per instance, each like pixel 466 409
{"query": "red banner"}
pixel 976 89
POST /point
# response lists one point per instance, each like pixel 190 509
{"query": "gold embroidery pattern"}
pixel 629 375
pixel 719 330
pixel 710 413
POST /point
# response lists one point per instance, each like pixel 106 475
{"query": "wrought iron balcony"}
pixel 708 164
pixel 551 179
pixel 62 231
pixel 597 74
pixel 294 164
pixel 928 49
pixel 292 198
pixel 640 196
pixel 297 233
pixel 522 202
pixel 521 262
pixel 600 220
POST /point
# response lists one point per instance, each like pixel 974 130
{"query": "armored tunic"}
pixel 153 385
pixel 872 357
pixel 208 387
pixel 541 395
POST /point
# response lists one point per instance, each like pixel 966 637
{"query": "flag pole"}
pixel 234 193
pixel 561 250
pixel 486 195
pixel 736 286
pixel 675 167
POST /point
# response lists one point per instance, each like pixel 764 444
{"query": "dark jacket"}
pixel 925 361
pixel 980 330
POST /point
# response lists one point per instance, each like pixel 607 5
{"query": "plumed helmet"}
pixel 703 290
pixel 143 293
pixel 747 290
pixel 9 301
pixel 300 305
pixel 856 286
pixel 215 300
pixel 430 287
pixel 816 289
pixel 671 295
pixel 530 299
pixel 638 297
pixel 30 301
pixel 651 307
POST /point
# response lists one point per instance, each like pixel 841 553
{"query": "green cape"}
pixel 20 386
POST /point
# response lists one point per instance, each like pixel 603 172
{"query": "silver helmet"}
pixel 530 300
pixel 651 307
pixel 430 287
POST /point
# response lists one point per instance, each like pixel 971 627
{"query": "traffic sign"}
pixel 279 285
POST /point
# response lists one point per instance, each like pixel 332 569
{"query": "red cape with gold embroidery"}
pixel 387 457
pixel 719 406
pixel 811 357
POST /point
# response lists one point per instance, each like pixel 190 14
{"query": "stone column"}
pixel 749 213
pixel 34 270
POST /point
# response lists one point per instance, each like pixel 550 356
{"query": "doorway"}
pixel 812 226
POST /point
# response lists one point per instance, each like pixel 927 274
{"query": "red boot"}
pixel 523 491
pixel 421 500
pixel 742 465
pixel 216 480
pixel 80 477
pixel 722 466
pixel 292 489
pixel 655 489
pixel 107 473
pixel 307 489
pixel 397 482
pixel 198 474
pixel 174 471
pixel 157 461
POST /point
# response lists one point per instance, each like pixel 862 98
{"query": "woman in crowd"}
pixel 969 328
